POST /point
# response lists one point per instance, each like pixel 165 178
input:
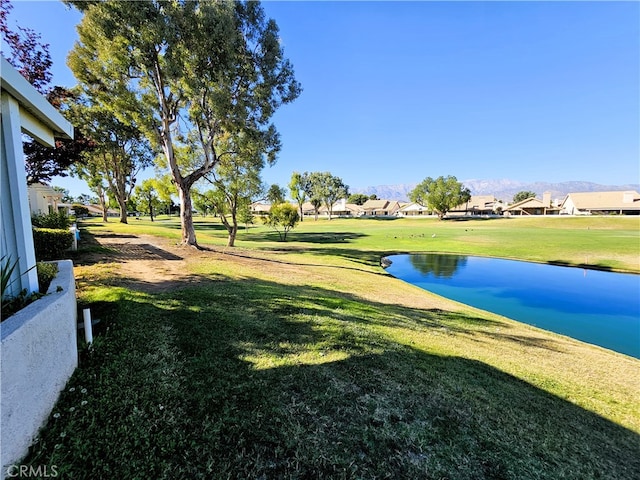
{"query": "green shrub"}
pixel 46 273
pixel 57 220
pixel 50 244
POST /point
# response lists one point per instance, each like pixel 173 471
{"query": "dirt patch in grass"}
pixel 150 264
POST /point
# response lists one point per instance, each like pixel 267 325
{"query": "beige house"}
pixel 380 208
pixel 412 210
pixel 258 208
pixel 96 211
pixel 478 205
pixel 533 206
pixel 43 199
pixel 602 203
pixel 340 209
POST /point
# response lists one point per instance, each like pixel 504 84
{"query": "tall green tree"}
pixel 328 189
pixel 97 185
pixel 314 191
pixel 440 195
pixel 205 202
pixel 147 197
pixel 120 151
pixel 358 198
pixel 276 194
pixel 518 197
pixel 189 73
pixel 298 186
pixel 237 182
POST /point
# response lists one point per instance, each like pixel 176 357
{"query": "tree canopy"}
pixel 441 194
pixel 237 183
pixel 358 198
pixel 518 197
pixel 282 218
pixel 188 74
pixel 299 186
pixel 325 189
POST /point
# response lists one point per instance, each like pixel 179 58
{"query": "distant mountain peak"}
pixel 503 189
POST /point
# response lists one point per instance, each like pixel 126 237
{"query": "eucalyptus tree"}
pixel 148 197
pixel 188 73
pixel 441 194
pixel 237 182
pixel 313 190
pixel 298 186
pixel 326 189
pixel 98 186
pixel 204 202
pixel 119 152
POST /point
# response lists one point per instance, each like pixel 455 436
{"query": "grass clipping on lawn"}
pixel 279 365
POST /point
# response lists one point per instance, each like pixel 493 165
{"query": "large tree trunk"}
pixel 186 216
pixel 150 200
pixel 123 210
pixel 103 205
pixel 233 232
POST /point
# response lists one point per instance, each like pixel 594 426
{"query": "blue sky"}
pixel 398 91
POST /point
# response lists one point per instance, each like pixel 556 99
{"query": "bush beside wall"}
pixel 50 244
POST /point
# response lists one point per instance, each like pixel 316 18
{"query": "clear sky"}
pixel 398 91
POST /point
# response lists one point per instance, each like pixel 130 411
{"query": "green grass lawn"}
pixel 305 359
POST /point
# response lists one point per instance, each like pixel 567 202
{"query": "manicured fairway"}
pixel 305 359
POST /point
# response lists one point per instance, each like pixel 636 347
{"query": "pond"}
pixel 594 306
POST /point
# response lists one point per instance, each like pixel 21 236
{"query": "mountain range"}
pixel 502 189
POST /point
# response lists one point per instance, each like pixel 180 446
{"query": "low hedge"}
pixel 51 244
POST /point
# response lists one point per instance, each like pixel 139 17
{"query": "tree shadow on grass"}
pixel 91 251
pixel 254 379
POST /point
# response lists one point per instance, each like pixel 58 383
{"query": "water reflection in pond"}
pixel 598 307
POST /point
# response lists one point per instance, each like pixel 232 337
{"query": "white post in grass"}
pixel 88 332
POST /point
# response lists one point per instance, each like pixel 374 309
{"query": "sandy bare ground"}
pixel 152 263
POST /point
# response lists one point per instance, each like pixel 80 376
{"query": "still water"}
pixel 597 307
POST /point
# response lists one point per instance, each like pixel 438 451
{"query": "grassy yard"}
pixel 305 359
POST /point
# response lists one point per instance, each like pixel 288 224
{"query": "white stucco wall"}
pixel 38 355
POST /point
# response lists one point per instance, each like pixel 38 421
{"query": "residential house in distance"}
pixel 602 203
pixel 533 206
pixel 412 209
pixel 340 209
pixel 43 199
pixel 96 211
pixel 380 208
pixel 258 208
pixel 478 205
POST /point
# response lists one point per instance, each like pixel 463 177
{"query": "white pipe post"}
pixel 88 333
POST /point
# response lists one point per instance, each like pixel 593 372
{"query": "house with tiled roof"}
pixel 96 211
pixel 602 203
pixel 477 205
pixel 258 208
pixel 412 209
pixel 533 206
pixel 341 209
pixel 380 208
